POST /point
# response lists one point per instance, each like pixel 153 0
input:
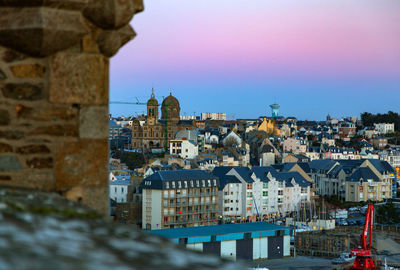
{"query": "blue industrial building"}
pixel 248 241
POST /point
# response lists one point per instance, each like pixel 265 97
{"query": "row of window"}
pixel 191 183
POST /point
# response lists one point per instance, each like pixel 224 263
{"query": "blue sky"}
pixel 339 57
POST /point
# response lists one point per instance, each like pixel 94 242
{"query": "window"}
pixel 185 184
pixel 203 183
pixel 265 185
pixel 280 192
pixel 115 189
pixel 215 182
pixel 167 185
pixel 265 193
pixel 122 190
pixel 197 183
pixel 179 184
pixel 173 184
pixel 209 183
pixel 248 186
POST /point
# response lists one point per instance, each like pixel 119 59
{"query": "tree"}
pixel 388 214
pixel 231 141
pixel 132 160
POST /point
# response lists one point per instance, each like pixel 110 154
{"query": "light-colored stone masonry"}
pixel 54 93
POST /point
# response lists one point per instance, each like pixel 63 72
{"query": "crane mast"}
pixel 363 260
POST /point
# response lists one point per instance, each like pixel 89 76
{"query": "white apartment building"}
pixel 184 148
pixel 384 128
pixel 119 188
pixel 213 116
pixel 259 192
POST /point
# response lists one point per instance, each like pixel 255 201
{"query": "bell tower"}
pixel 152 109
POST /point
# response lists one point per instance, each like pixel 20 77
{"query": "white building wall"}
pixel 195 247
pixel 286 246
pixel 119 193
pixel 260 248
pixel 228 249
pixel 151 208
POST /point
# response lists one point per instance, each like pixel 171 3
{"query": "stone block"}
pixel 32 149
pixel 47 114
pixel 111 41
pixel 11 134
pixel 9 164
pixel 2 75
pixel 57 130
pixel 79 79
pixel 28 71
pixel 40 163
pixel 65 4
pixel 10 56
pixel 23 91
pixel 5 148
pixel 82 163
pixel 94 197
pixel 110 14
pixel 40 31
pixel 4 117
pixel 94 122
pixel 5 178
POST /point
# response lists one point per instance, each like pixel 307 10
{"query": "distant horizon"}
pixel 339 57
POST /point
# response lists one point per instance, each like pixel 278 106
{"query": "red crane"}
pixel 364 260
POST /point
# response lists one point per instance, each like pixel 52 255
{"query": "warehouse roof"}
pixel 217 230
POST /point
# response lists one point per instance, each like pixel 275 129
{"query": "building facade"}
pixel 184 198
pixel 156 132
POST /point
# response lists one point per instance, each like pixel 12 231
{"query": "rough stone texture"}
pixel 40 31
pixel 54 93
pixel 11 134
pixel 9 164
pixel 65 4
pixel 112 14
pixel 79 78
pixel 111 41
pixel 90 129
pixel 57 130
pixel 47 114
pixel 5 178
pixel 10 56
pixel 2 75
pixel 40 163
pixel 28 71
pixel 50 232
pixel 23 91
pixel 87 170
pixel 4 117
pixel 5 148
pixel 32 149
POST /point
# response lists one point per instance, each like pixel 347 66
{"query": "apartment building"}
pixel 182 198
pixel 373 179
pixel 213 116
pixel 295 145
pixel 259 192
pixel 384 128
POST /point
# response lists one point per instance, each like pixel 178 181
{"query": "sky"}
pixel 313 57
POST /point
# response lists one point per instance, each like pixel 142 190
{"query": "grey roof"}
pixel 262 172
pixel 245 173
pixel 382 166
pixel 363 173
pixel 227 179
pixel 288 176
pixel 159 177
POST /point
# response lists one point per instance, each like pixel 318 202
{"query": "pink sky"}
pixel 260 40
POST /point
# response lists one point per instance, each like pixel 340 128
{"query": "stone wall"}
pixel 54 89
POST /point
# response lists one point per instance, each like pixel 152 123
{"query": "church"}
pixel 156 132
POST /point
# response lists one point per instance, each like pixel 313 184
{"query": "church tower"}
pixel 152 109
